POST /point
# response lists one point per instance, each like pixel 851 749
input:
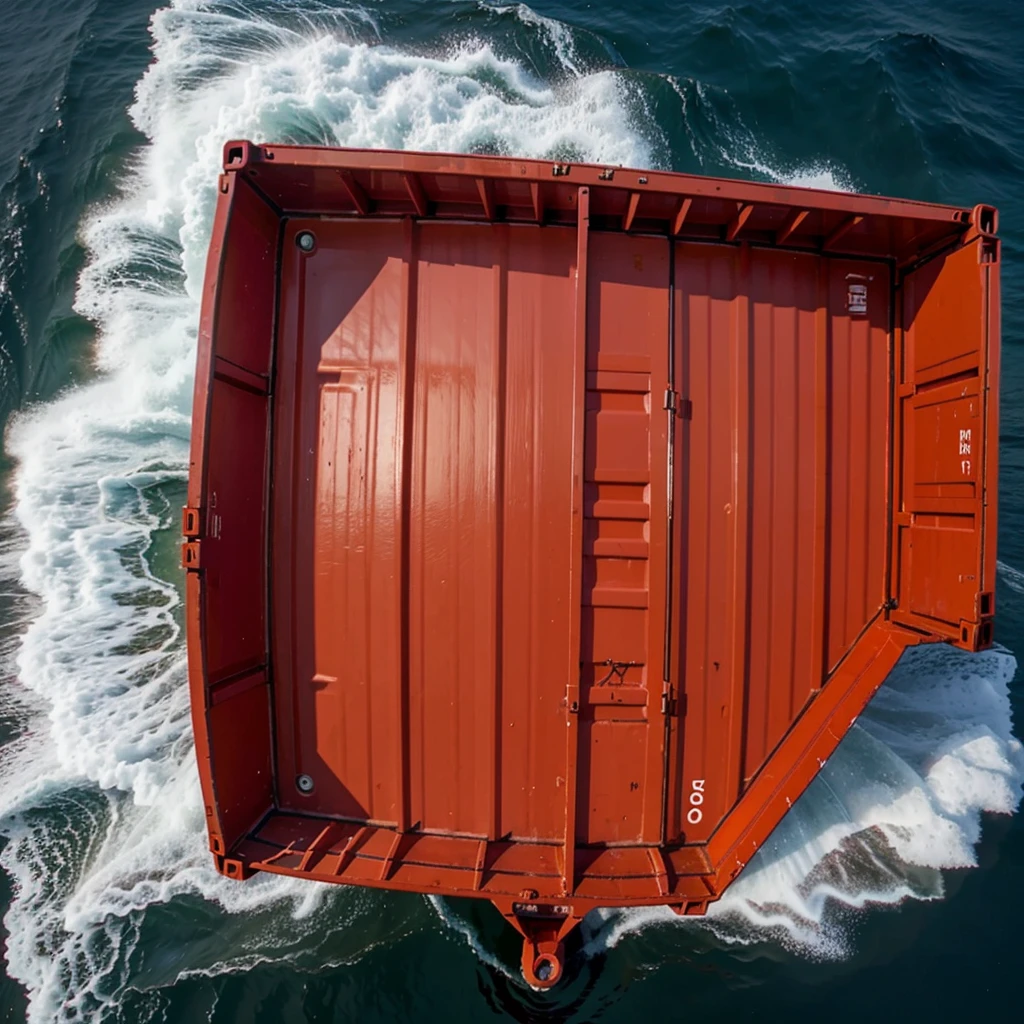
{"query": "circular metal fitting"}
pixel 306 241
pixel 546 970
pixel 304 784
pixel 544 967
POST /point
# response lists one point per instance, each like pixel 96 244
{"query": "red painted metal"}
pixel 532 560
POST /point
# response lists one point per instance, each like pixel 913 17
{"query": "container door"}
pixel 945 573
pixel 622 635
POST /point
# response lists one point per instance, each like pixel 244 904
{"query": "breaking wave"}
pixel 899 801
pixel 99 796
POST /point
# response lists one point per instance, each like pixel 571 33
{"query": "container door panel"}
pixel 336 505
pixel 783 494
pixel 624 560
pixel 944 481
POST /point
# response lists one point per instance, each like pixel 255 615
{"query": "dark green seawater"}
pixel 895 888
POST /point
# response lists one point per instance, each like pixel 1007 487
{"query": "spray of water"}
pixel 99 798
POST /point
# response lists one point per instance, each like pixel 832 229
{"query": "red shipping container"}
pixel 549 525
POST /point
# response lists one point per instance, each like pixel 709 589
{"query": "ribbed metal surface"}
pixel 544 536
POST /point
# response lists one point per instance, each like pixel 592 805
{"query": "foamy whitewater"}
pixel 100 796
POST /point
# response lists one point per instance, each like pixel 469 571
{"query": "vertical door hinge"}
pixel 572 698
pixel 681 407
pixel 671 705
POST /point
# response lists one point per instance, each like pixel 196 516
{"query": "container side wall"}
pixel 229 552
pixel 784 301
pixel 706 286
pixel 537 452
pixel 536 522
pixel 784 487
pixel 622 631
pixel 338 517
pixel 424 435
pixel 858 425
pixel 453 582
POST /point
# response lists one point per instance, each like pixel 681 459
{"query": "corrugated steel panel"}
pixel 548 525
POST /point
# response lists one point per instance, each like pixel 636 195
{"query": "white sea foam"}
pixel 900 800
pixel 558 35
pixel 103 658
pixel 107 757
pixel 460 927
pixel 1013 578
pixel 719 135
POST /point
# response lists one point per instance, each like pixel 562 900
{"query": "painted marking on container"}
pixel 857 299
pixel 695 814
pixel 965 442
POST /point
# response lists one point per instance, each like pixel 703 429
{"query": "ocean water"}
pixel 894 889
